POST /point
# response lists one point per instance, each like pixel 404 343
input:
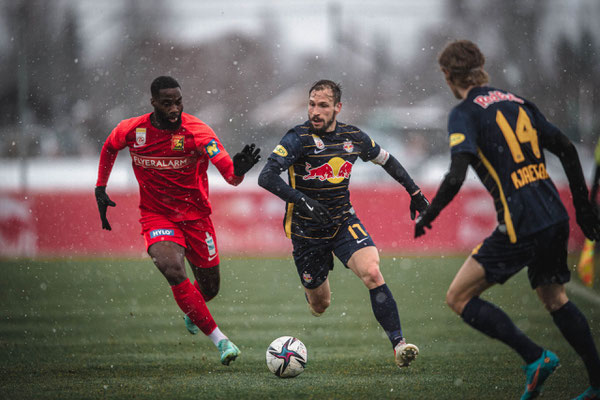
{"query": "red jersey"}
pixel 170 166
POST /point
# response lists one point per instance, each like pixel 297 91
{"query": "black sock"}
pixel 575 328
pixel 386 312
pixel 489 319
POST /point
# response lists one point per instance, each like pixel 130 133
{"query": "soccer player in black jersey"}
pixel 319 219
pixel 502 136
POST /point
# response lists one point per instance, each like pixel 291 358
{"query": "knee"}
pixel 553 297
pixel 173 271
pixel 320 305
pixel 554 304
pixel 372 276
pixel 456 301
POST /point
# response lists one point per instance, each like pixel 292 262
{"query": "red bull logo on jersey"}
pixel 348 146
pixel 335 170
pixel 495 96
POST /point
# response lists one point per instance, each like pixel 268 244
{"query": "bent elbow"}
pixel 263 179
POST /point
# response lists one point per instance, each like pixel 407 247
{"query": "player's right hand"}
pixel 588 220
pixel 422 222
pixel 313 209
pixel 103 202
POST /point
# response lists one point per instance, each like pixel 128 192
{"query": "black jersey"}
pixel 506 133
pixel 320 167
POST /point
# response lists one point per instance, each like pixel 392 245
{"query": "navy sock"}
pixel 489 319
pixel 575 328
pixel 386 312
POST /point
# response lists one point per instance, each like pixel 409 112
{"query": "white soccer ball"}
pixel 286 357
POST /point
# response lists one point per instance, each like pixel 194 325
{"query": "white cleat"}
pixel 405 353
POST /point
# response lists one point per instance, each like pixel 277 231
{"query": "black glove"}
pixel 423 221
pixel 588 220
pixel 418 202
pixel 103 203
pixel 245 159
pixel 313 209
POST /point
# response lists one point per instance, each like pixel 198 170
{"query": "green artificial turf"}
pixel 106 328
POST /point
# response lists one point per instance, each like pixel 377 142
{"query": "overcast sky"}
pixel 305 25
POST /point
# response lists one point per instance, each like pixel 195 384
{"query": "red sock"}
pixel 190 301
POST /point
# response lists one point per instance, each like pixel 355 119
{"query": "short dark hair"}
pixel 336 88
pixel 163 82
pixel 463 62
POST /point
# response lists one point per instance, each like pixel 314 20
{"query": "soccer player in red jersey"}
pixel 170 151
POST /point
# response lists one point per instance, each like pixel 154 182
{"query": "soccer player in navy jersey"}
pixel 319 219
pixel 170 152
pixel 502 135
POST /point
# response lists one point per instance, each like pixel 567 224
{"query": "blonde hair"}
pixel 462 62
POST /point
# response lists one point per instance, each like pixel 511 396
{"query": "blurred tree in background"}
pixel 55 102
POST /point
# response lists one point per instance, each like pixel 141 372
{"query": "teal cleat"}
pixel 228 350
pixel 592 393
pixel 537 372
pixel 191 327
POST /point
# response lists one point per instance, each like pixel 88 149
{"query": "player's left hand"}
pixel 588 220
pixel 418 202
pixel 421 223
pixel 245 159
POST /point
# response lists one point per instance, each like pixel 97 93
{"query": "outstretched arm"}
pixel 393 167
pixel 585 212
pixel 448 189
pixel 225 167
pixel 418 201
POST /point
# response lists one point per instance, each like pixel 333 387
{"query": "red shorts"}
pixel 197 236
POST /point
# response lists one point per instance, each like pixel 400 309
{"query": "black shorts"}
pixel 544 253
pixel 314 257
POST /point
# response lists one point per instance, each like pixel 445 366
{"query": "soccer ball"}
pixel 286 357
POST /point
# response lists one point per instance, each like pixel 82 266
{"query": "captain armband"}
pixel 381 158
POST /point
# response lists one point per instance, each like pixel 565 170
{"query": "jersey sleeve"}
pixel 116 141
pixel 209 144
pixel 287 151
pixel 547 131
pixel 369 150
pixel 462 132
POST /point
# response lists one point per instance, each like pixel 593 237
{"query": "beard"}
pixel 165 123
pixel 326 125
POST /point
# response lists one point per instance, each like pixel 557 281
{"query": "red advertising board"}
pixel 248 222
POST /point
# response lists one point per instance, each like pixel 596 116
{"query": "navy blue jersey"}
pixel 320 167
pixel 506 133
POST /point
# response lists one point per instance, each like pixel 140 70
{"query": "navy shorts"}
pixel 314 258
pixel 544 253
